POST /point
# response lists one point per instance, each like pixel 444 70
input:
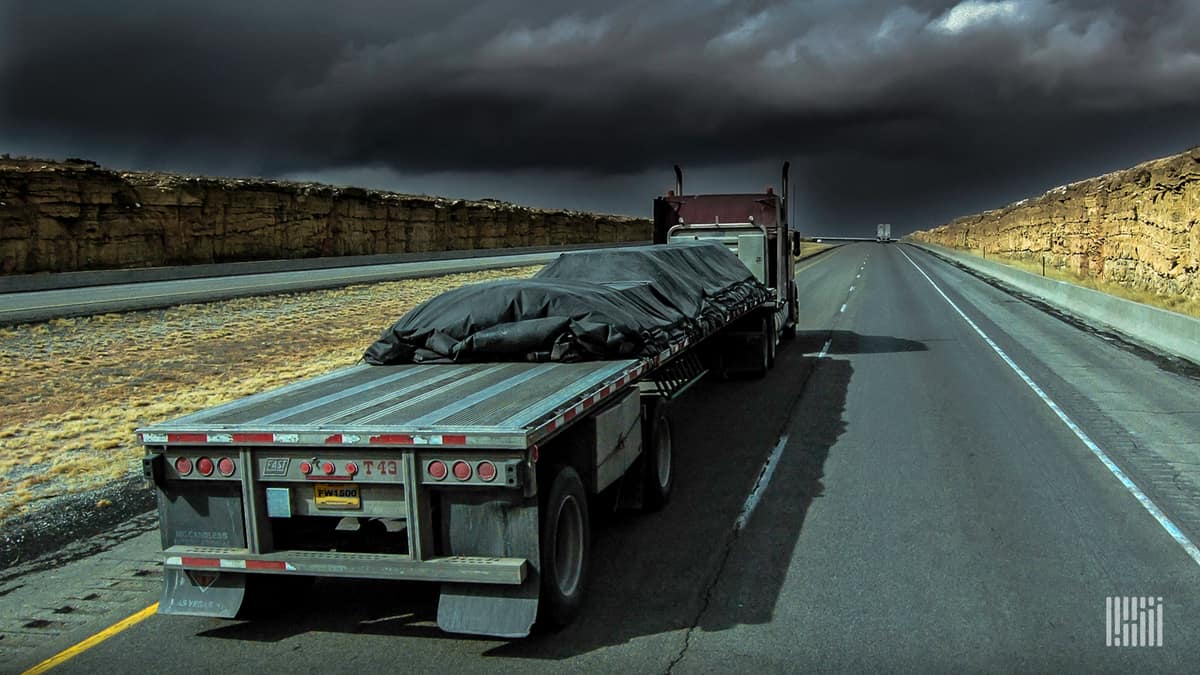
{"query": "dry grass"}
pixel 811 248
pixel 74 390
pixel 1178 304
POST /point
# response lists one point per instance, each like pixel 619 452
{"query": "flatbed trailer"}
pixel 477 476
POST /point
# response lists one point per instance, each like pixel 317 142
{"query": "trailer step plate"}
pixel 337 496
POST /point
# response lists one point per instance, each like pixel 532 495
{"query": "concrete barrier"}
pixel 1157 328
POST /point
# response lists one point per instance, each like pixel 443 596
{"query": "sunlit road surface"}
pixel 902 492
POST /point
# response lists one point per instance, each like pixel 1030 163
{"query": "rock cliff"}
pixel 1136 229
pixel 75 215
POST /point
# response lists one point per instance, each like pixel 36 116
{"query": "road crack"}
pixel 735 531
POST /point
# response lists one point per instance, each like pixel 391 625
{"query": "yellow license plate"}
pixel 334 496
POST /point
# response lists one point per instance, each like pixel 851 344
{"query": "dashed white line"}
pixel 764 478
pixel 851 289
pixel 843 309
pixel 1164 521
pixel 825 349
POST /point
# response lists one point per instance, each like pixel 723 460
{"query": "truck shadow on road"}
pixel 660 574
pixel 688 565
pixel 846 342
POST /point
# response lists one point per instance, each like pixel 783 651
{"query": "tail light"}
pixel 183 466
pixel 205 466
pixel 328 468
pixel 437 470
pixel 462 470
pixel 226 466
pixel 486 471
pixel 305 468
pixel 351 468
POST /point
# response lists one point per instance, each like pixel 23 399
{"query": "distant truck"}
pixel 476 476
pixel 883 232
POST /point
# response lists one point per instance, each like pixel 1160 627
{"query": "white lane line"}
pixel 851 289
pixel 1166 523
pixel 843 309
pixel 857 276
pixel 825 349
pixel 764 478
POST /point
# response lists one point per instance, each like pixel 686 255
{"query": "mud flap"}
pixel 202 593
pixel 492 528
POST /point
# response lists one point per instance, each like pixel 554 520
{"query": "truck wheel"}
pixel 762 350
pixel 772 341
pixel 789 326
pixel 565 545
pixel 658 459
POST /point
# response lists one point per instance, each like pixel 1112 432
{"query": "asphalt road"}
pixel 893 496
pixel 43 305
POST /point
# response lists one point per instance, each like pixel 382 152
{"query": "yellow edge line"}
pixel 78 648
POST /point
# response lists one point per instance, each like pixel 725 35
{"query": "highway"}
pixel 936 476
pixel 42 305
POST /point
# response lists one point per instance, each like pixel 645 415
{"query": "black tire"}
pixel 565 540
pixel 789 326
pixel 772 342
pixel 762 351
pixel 657 457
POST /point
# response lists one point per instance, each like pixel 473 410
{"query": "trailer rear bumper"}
pixel 456 569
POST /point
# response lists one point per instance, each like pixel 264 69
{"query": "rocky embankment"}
pixel 1134 229
pixel 76 215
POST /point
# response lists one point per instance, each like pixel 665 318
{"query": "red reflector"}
pixel 437 470
pixel 201 562
pixel 486 471
pixel 254 438
pixel 454 439
pixel 226 466
pixel 351 468
pixel 533 454
pixel 187 438
pixel 183 466
pixel 391 439
pixel 205 466
pixel 328 468
pixel 305 468
pixel 266 565
pixel 462 470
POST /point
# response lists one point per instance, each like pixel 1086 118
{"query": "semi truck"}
pixel 755 227
pixel 883 232
pixel 475 476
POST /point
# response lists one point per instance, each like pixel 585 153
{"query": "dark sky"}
pixel 904 112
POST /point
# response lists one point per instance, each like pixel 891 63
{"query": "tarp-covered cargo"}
pixel 608 304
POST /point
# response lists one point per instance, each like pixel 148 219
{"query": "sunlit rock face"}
pixel 75 215
pixel 1136 228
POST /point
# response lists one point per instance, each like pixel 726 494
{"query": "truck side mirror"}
pixel 795 243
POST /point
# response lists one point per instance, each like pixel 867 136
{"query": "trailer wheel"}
pixel 565 545
pixel 657 451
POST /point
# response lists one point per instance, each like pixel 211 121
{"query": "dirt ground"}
pixel 72 391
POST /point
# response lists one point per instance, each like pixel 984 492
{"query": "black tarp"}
pixel 608 304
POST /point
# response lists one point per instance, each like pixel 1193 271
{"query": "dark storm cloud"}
pixel 922 108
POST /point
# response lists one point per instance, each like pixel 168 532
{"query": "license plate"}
pixel 334 496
